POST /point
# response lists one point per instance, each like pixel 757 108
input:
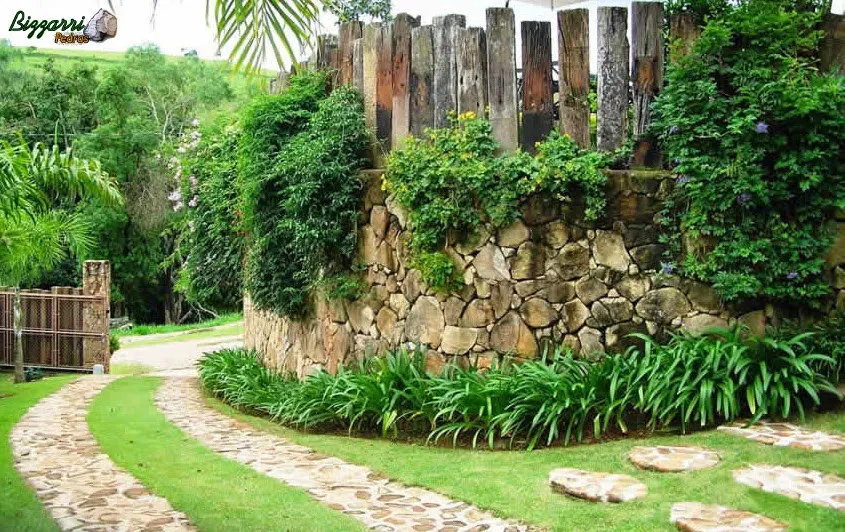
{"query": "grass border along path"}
pixel 514 484
pixel 20 509
pixel 216 493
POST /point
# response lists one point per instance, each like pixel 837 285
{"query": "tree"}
pixel 34 236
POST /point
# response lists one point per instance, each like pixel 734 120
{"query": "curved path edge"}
pixel 75 480
pixel 357 491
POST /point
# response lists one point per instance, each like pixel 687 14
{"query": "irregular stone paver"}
pixel 824 489
pixel 787 435
pixel 665 459
pixel 600 487
pixel 697 517
pixel 356 491
pixel 80 486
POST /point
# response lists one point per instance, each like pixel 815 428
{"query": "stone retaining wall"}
pixel 547 279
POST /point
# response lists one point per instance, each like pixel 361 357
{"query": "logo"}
pixel 102 26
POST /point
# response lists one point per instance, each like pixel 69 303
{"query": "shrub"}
pixel 306 207
pixel 756 134
pixel 827 337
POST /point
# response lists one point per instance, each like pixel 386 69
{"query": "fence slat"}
pixel 574 48
pixel 446 31
pixel 384 86
pixel 358 65
pixel 472 71
pixel 403 24
pixel 683 32
pixel 613 71
pixel 647 74
pixel 348 33
pixel 537 104
pixel 833 44
pixel 501 77
pixel 372 32
pixel 422 80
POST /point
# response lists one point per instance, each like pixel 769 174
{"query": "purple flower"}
pixel 673 130
pixel 762 127
pixel 175 196
pixel 667 268
pixel 682 179
pixel 743 198
pixel 792 276
pixel 193 202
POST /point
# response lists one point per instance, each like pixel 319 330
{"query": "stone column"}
pixel 96 281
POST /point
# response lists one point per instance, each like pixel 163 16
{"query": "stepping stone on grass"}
pixel 787 435
pixel 697 517
pixel 599 487
pixel 666 459
pixel 806 485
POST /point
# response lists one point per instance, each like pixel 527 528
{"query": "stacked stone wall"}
pixel 548 279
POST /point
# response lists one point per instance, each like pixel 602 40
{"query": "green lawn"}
pixel 514 484
pixel 215 493
pixel 200 334
pixel 19 508
pixel 145 330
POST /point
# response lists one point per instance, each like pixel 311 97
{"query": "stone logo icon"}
pixel 102 26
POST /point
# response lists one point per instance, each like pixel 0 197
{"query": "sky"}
pixel 181 25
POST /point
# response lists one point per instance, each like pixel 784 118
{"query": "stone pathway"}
pixel 78 484
pixel 599 487
pixel 665 459
pixel 787 435
pixel 824 489
pixel 354 490
pixel 697 517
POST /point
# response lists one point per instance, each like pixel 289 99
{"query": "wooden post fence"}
pixel 421 80
pixel 446 31
pixel 403 24
pixel 501 77
pixel 472 72
pixel 538 104
pixel 613 66
pixel 574 48
pixel 348 33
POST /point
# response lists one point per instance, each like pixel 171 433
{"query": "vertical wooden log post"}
pixel 501 77
pixel 358 65
pixel 574 48
pixel 372 33
pixel 348 33
pixel 613 66
pixel 683 32
pixel 422 80
pixel 325 44
pixel 537 89
pixel 403 24
pixel 446 31
pixel 647 75
pixel 472 72
pixel 384 87
pixel 832 53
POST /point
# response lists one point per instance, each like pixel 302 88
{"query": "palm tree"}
pixel 34 236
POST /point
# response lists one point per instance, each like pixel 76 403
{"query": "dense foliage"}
pixel 689 382
pixel 346 10
pixel 755 133
pixel 452 181
pixel 828 337
pixel 303 207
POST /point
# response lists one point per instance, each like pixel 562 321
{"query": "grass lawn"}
pixel 215 493
pixel 19 508
pixel 514 484
pixel 145 330
pixel 200 334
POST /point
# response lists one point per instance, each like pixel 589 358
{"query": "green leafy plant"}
pixel 437 270
pixel 827 337
pixel 346 10
pixel 755 133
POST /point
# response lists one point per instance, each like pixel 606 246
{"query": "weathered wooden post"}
pixel 325 44
pixel 446 31
pixel 832 54
pixel 384 87
pixel 683 32
pixel 472 72
pixel 647 75
pixel 369 44
pixel 574 48
pixel 358 65
pixel 96 281
pixel 613 66
pixel 403 24
pixel 422 80
pixel 537 89
pixel 501 77
pixel 348 33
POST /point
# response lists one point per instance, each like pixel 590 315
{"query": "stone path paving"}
pixel 354 490
pixel 787 435
pixel 666 459
pixel 599 487
pixel 78 484
pixel 697 517
pixel 824 489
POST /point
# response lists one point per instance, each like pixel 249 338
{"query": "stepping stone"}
pixel 787 435
pixel 815 487
pixel 666 459
pixel 599 487
pixel 697 517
